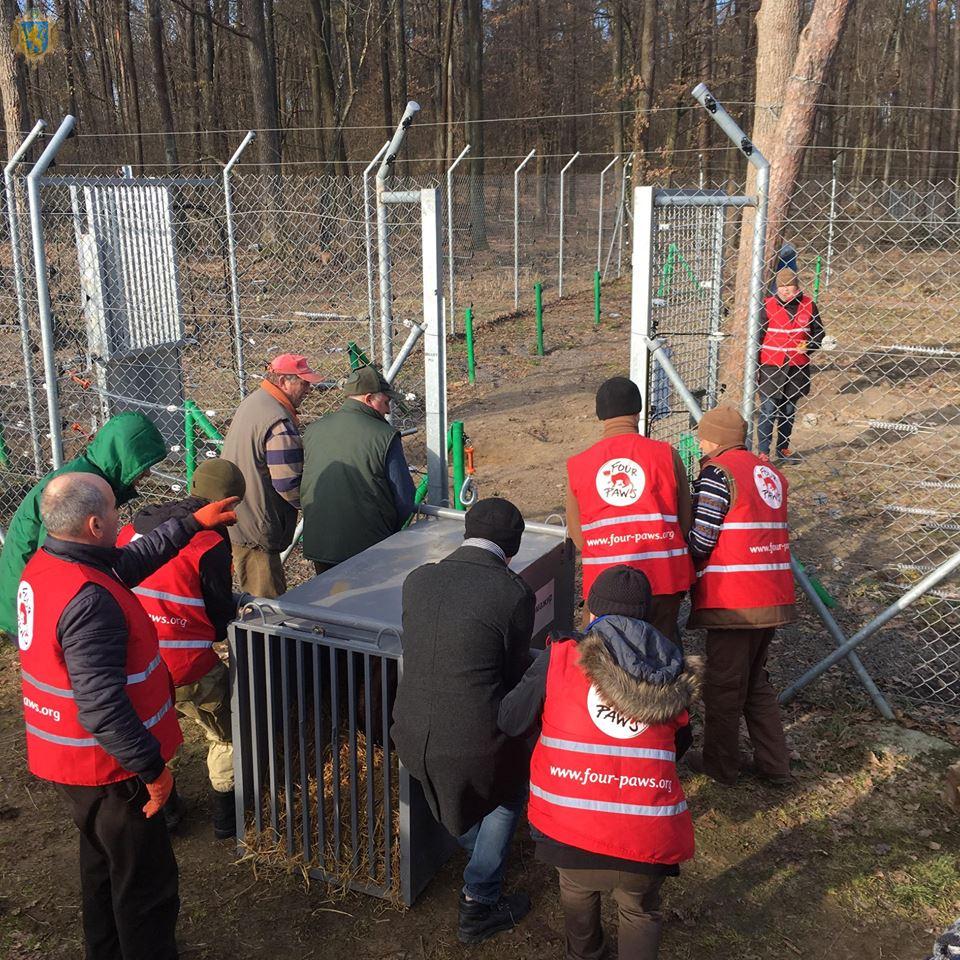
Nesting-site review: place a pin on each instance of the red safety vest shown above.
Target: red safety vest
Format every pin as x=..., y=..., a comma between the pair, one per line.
x=173, y=599
x=786, y=336
x=626, y=487
x=602, y=782
x=58, y=747
x=750, y=565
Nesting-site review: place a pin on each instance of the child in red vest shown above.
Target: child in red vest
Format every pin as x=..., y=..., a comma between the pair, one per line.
x=606, y=806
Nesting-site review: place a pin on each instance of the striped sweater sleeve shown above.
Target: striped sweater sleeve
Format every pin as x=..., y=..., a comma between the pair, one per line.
x=711, y=501
x=284, y=447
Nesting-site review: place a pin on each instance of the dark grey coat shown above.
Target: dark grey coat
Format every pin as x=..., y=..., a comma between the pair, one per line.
x=467, y=622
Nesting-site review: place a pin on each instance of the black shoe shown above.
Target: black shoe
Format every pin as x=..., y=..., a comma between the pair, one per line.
x=224, y=814
x=480, y=921
x=174, y=810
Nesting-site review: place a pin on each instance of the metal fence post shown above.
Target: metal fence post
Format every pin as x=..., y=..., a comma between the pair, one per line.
x=758, y=264
x=43, y=287
x=516, y=230
x=232, y=256
x=716, y=309
x=13, y=213
x=641, y=326
x=563, y=174
x=624, y=210
x=434, y=347
x=453, y=166
x=369, y=241
x=833, y=218
x=384, y=176
x=603, y=174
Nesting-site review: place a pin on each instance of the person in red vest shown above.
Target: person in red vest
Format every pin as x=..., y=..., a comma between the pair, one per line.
x=628, y=501
x=791, y=330
x=741, y=544
x=606, y=806
x=190, y=601
x=98, y=707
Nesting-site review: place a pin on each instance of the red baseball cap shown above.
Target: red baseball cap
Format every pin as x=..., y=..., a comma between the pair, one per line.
x=295, y=364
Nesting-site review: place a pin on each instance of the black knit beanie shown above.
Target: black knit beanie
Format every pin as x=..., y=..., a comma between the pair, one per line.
x=620, y=590
x=497, y=520
x=618, y=397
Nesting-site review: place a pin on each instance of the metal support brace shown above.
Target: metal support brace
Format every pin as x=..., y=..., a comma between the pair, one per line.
x=64, y=131
x=13, y=215
x=690, y=402
x=416, y=332
x=232, y=254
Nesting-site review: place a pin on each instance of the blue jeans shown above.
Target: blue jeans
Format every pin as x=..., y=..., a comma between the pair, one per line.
x=488, y=844
x=775, y=407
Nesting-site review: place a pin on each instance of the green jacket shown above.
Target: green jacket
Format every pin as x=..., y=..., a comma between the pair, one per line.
x=122, y=449
x=345, y=495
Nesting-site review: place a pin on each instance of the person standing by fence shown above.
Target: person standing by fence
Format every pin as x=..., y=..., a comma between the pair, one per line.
x=356, y=488
x=628, y=501
x=467, y=623
x=606, y=805
x=190, y=600
x=98, y=708
x=741, y=545
x=264, y=442
x=791, y=330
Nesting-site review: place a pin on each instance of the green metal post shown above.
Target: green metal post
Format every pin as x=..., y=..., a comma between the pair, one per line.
x=189, y=442
x=816, y=287
x=538, y=300
x=689, y=450
x=418, y=496
x=459, y=471
x=203, y=422
x=357, y=357
x=596, y=298
x=666, y=276
x=820, y=590
x=471, y=360
x=4, y=454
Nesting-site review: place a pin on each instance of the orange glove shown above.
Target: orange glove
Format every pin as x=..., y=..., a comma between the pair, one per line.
x=217, y=514
x=159, y=791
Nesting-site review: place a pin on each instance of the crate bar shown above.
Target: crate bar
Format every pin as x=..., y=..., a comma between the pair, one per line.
x=387, y=776
x=333, y=680
x=13, y=215
x=318, y=757
x=287, y=761
x=369, y=740
x=268, y=668
x=306, y=833
x=254, y=736
x=354, y=774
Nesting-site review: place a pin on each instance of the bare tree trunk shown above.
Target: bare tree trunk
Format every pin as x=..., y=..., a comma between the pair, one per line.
x=778, y=25
x=66, y=19
x=14, y=106
x=195, y=115
x=818, y=46
x=894, y=124
x=708, y=11
x=955, y=104
x=616, y=31
x=645, y=83
x=155, y=28
x=473, y=116
x=323, y=37
x=444, y=33
x=385, y=65
x=216, y=142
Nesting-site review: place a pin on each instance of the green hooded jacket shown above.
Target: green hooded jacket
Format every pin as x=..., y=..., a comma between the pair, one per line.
x=123, y=448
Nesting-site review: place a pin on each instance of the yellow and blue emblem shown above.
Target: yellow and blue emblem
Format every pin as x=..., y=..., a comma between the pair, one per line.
x=34, y=35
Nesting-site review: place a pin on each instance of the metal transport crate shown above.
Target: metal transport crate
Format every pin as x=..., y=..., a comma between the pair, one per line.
x=313, y=673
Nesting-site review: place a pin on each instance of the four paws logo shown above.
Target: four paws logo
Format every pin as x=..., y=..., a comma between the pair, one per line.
x=608, y=721
x=768, y=485
x=24, y=615
x=620, y=482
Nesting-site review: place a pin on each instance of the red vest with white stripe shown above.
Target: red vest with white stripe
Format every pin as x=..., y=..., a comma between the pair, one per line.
x=626, y=487
x=602, y=782
x=173, y=599
x=750, y=565
x=58, y=747
x=786, y=337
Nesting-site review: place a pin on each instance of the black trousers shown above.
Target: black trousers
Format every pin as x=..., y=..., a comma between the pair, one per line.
x=128, y=873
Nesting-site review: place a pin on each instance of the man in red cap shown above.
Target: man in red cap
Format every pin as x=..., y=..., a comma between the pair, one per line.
x=264, y=442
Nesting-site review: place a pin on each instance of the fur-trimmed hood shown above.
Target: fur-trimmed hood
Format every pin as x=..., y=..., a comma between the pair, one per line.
x=638, y=671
